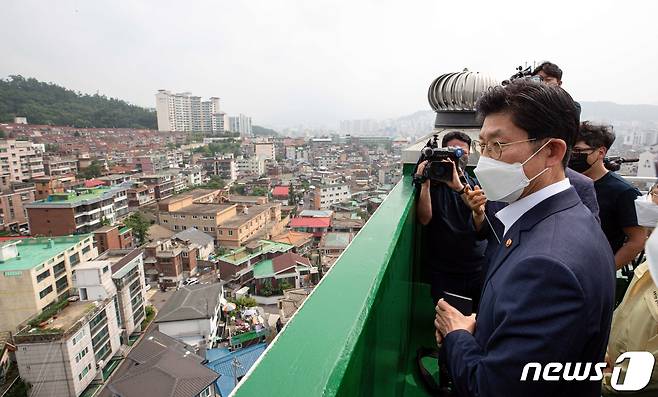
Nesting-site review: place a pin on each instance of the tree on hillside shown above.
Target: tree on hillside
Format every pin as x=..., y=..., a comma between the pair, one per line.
x=48, y=103
x=262, y=131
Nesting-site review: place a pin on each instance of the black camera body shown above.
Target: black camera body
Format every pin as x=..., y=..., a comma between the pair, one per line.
x=437, y=169
x=613, y=163
x=522, y=73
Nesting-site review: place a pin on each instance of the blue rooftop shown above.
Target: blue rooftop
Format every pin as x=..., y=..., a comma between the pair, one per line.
x=220, y=360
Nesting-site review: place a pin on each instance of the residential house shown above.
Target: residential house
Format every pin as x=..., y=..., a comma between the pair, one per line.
x=334, y=243
x=169, y=262
x=289, y=270
x=162, y=366
x=240, y=261
x=192, y=314
x=205, y=243
x=113, y=237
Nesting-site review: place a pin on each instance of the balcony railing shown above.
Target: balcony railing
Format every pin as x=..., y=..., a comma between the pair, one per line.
x=358, y=332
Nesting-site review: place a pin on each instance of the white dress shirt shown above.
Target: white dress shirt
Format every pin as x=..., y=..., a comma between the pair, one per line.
x=513, y=212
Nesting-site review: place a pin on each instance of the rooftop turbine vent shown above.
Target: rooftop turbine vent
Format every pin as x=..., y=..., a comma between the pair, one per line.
x=453, y=96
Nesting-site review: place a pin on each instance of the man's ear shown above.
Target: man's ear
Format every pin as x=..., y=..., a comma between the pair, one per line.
x=558, y=149
x=603, y=152
x=559, y=83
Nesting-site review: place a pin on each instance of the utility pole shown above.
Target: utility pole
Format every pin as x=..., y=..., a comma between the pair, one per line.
x=235, y=364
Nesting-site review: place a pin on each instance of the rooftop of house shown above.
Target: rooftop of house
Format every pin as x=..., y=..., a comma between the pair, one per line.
x=80, y=196
x=221, y=361
x=70, y=317
x=157, y=232
x=242, y=218
x=161, y=366
x=336, y=240
x=310, y=222
x=270, y=267
x=191, y=302
x=195, y=236
x=195, y=209
x=31, y=252
x=241, y=255
x=280, y=191
x=195, y=194
x=316, y=213
x=294, y=238
x=244, y=198
x=119, y=258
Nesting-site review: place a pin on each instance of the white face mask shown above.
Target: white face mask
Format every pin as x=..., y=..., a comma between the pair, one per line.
x=647, y=211
x=651, y=251
x=503, y=181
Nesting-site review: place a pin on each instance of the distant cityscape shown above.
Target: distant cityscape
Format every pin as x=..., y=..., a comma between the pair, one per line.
x=192, y=245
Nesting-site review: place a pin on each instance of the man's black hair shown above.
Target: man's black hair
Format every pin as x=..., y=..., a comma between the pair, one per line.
x=542, y=110
x=550, y=69
x=596, y=135
x=455, y=135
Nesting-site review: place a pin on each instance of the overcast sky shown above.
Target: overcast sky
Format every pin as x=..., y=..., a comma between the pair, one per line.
x=315, y=62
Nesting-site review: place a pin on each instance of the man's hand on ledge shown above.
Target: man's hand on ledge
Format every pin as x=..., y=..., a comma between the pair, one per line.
x=449, y=319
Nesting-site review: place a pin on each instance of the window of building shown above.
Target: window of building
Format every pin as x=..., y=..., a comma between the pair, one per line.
x=230, y=232
x=44, y=292
x=84, y=372
x=165, y=221
x=82, y=353
x=78, y=337
x=106, y=269
x=176, y=227
x=42, y=276
x=206, y=392
x=195, y=217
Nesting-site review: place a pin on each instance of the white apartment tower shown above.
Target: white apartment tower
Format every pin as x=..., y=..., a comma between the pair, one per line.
x=241, y=124
x=185, y=112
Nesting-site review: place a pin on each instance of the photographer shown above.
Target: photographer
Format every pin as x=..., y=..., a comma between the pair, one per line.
x=455, y=256
x=616, y=197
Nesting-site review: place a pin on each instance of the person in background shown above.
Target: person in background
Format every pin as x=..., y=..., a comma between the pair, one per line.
x=635, y=322
x=614, y=195
x=455, y=256
x=551, y=74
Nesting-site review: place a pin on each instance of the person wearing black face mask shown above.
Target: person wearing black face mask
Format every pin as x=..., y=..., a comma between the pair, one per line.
x=615, y=196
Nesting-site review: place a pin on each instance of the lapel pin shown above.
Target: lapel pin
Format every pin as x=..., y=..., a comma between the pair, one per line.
x=508, y=242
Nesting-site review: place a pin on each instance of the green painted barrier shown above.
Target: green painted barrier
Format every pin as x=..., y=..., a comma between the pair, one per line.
x=358, y=332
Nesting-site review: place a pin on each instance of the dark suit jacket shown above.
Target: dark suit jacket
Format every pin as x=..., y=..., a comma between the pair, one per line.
x=548, y=297
x=585, y=188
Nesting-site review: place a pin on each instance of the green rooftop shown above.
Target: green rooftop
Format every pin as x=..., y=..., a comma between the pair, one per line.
x=34, y=251
x=79, y=196
x=241, y=255
x=263, y=269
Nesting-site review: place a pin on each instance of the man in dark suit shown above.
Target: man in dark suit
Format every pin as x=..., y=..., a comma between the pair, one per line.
x=549, y=290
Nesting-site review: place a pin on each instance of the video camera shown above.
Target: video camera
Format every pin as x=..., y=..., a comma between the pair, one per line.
x=613, y=163
x=522, y=73
x=438, y=170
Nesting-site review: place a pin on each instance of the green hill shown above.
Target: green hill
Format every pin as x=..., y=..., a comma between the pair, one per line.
x=48, y=103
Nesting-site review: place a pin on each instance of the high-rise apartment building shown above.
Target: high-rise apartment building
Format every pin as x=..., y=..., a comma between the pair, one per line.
x=19, y=162
x=241, y=124
x=185, y=112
